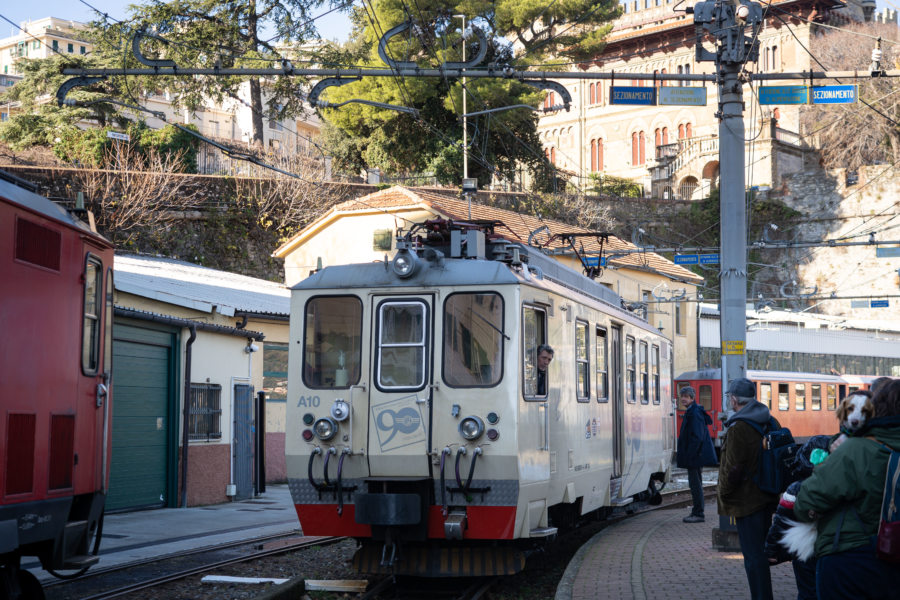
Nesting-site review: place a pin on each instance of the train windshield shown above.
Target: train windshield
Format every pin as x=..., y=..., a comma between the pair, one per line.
x=401, y=344
x=332, y=342
x=473, y=336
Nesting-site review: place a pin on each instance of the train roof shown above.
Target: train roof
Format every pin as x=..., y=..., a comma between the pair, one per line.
x=15, y=193
x=763, y=375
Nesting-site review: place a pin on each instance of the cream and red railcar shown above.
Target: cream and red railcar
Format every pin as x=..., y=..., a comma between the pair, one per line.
x=414, y=422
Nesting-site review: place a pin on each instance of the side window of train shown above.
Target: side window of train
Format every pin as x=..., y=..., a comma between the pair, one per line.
x=332, y=342
x=582, y=362
x=815, y=398
x=765, y=394
x=831, y=400
x=473, y=339
x=402, y=345
x=705, y=397
x=799, y=396
x=602, y=374
x=93, y=306
x=645, y=374
x=534, y=333
x=630, y=370
x=654, y=373
x=784, y=396
x=107, y=342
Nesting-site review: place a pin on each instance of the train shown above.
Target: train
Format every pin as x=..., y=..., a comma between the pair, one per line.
x=803, y=402
x=416, y=422
x=55, y=440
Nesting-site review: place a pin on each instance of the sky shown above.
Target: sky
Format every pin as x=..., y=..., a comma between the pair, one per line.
x=332, y=27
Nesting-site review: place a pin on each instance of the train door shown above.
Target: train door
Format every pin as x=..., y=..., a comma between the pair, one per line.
x=617, y=398
x=400, y=411
x=534, y=447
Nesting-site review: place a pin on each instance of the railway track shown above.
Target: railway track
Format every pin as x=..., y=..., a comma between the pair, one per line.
x=122, y=580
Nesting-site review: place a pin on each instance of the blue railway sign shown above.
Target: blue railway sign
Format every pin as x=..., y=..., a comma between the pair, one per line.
x=835, y=94
x=879, y=304
x=686, y=259
x=644, y=96
x=591, y=261
x=783, y=94
x=889, y=252
x=709, y=259
x=682, y=96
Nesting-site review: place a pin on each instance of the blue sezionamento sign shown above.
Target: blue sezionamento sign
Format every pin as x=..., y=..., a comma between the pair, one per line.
x=591, y=261
x=644, y=96
x=835, y=94
x=686, y=259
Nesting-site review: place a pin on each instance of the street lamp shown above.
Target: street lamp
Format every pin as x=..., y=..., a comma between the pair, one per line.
x=465, y=119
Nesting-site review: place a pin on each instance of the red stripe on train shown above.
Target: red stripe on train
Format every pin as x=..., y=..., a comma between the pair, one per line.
x=484, y=522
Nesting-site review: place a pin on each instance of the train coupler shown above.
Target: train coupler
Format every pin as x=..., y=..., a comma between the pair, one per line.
x=386, y=560
x=455, y=525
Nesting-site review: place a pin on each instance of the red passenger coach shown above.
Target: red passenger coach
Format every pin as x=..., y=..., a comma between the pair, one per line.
x=804, y=402
x=55, y=415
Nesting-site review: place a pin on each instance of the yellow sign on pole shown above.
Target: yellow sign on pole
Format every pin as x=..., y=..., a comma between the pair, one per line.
x=733, y=347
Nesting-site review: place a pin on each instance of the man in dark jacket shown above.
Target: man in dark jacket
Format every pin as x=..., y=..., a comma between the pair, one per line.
x=739, y=496
x=695, y=449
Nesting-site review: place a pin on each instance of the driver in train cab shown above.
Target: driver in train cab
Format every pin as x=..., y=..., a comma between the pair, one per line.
x=545, y=355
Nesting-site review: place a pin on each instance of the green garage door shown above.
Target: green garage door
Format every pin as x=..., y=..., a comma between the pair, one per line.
x=144, y=423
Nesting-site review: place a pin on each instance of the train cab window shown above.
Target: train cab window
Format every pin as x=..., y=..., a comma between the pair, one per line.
x=815, y=398
x=630, y=370
x=93, y=306
x=784, y=396
x=765, y=394
x=332, y=342
x=402, y=341
x=654, y=373
x=602, y=369
x=799, y=396
x=645, y=374
x=831, y=397
x=473, y=339
x=582, y=362
x=705, y=397
x=534, y=334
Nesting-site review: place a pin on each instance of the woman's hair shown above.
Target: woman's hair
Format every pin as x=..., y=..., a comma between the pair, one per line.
x=887, y=399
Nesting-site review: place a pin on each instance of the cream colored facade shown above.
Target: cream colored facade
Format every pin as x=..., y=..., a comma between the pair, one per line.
x=653, y=37
x=347, y=234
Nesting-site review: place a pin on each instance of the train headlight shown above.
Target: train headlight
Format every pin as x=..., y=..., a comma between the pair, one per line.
x=471, y=428
x=325, y=429
x=405, y=263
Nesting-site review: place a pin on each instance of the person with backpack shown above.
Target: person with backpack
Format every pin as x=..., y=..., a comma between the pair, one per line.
x=844, y=496
x=739, y=495
x=695, y=450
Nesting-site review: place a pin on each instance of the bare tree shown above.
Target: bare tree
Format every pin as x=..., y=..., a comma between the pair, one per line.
x=868, y=132
x=136, y=190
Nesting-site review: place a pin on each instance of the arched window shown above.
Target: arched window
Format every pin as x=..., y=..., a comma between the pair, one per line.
x=642, y=143
x=657, y=137
x=593, y=156
x=776, y=66
x=687, y=130
x=665, y=136
x=663, y=83
x=776, y=114
x=599, y=154
x=634, y=148
x=681, y=131
x=553, y=155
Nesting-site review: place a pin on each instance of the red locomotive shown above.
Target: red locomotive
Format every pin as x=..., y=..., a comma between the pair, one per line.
x=56, y=310
x=804, y=402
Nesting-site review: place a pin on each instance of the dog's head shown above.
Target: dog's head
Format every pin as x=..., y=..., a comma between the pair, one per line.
x=854, y=411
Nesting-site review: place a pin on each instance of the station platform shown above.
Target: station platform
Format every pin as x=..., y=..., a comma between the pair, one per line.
x=655, y=554
x=136, y=536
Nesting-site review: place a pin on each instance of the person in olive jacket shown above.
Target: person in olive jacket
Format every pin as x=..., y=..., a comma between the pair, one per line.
x=739, y=496
x=844, y=495
x=695, y=450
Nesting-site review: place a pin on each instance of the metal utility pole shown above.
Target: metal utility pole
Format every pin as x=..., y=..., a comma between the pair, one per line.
x=465, y=118
x=728, y=21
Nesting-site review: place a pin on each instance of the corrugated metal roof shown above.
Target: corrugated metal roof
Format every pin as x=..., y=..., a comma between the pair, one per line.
x=200, y=288
x=518, y=226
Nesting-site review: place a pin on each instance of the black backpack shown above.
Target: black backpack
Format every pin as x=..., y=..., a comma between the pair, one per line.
x=777, y=450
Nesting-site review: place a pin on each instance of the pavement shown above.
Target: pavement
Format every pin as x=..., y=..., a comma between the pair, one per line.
x=655, y=554
x=136, y=536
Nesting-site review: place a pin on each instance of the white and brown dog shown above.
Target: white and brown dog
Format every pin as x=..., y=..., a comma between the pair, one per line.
x=854, y=411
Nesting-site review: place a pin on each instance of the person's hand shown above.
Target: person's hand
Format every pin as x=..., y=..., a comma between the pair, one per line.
x=837, y=442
